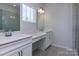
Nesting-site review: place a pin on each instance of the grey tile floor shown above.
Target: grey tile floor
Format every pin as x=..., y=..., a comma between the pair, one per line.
x=54, y=51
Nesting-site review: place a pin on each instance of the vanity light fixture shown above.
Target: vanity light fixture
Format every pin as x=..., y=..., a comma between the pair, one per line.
x=41, y=10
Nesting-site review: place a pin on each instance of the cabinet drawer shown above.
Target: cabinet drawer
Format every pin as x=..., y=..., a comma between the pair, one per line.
x=26, y=51
x=38, y=38
x=14, y=45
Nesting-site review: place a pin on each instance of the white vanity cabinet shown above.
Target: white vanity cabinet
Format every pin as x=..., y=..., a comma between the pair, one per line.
x=12, y=53
x=27, y=50
x=22, y=51
x=42, y=40
x=48, y=40
x=20, y=47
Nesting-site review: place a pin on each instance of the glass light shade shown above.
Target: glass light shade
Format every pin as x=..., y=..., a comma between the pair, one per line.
x=41, y=11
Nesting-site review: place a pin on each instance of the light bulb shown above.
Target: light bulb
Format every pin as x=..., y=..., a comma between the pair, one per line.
x=41, y=11
x=14, y=5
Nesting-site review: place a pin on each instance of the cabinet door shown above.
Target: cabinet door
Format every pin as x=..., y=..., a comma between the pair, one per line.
x=13, y=53
x=27, y=50
x=48, y=40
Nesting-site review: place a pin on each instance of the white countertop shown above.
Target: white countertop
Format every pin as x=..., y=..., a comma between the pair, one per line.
x=4, y=40
x=38, y=34
x=18, y=36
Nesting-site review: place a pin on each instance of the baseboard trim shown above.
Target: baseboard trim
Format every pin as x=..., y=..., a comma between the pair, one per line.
x=69, y=49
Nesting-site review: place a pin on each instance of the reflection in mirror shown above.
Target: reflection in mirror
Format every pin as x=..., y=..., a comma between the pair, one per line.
x=9, y=17
x=41, y=19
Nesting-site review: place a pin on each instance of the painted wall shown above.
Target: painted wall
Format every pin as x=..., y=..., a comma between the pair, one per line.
x=59, y=19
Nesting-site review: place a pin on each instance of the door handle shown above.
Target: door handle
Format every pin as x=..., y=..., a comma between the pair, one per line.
x=21, y=53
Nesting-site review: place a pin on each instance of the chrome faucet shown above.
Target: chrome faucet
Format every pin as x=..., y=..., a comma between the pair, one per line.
x=8, y=33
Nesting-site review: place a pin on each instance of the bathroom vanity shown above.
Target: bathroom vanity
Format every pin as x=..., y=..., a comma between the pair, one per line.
x=22, y=44
x=16, y=45
x=41, y=40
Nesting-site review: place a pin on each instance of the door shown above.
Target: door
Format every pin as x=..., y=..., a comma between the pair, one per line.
x=77, y=29
x=74, y=25
x=26, y=50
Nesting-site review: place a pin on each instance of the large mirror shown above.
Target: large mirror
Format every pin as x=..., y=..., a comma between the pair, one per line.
x=41, y=21
x=15, y=17
x=9, y=17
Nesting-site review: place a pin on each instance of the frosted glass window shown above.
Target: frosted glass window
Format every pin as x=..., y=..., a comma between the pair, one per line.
x=28, y=14
x=32, y=15
x=23, y=12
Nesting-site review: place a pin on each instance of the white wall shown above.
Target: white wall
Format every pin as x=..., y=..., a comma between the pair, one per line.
x=59, y=19
x=29, y=28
